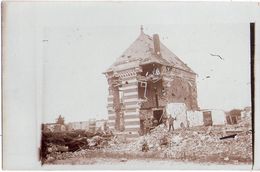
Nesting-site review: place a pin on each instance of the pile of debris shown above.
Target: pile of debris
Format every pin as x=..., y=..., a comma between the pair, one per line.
x=62, y=145
x=197, y=143
x=225, y=143
x=152, y=140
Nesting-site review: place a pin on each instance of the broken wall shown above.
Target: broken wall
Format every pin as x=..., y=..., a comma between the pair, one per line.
x=195, y=118
x=152, y=96
x=218, y=117
x=180, y=87
x=178, y=111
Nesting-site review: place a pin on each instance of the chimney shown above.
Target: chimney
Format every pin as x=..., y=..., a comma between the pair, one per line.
x=156, y=43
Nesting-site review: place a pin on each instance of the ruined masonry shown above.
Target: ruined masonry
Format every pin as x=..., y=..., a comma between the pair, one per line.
x=143, y=81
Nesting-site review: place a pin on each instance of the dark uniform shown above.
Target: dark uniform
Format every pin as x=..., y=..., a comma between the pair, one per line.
x=171, y=119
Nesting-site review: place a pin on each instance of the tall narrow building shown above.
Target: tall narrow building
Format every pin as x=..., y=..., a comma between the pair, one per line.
x=143, y=81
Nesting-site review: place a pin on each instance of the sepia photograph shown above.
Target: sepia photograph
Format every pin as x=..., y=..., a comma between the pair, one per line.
x=149, y=107
x=129, y=85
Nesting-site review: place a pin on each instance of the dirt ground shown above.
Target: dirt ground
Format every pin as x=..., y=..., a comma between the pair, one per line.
x=140, y=164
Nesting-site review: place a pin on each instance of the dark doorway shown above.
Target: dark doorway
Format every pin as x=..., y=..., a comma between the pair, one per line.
x=234, y=119
x=157, y=114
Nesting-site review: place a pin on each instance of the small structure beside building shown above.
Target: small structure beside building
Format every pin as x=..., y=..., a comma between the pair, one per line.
x=206, y=117
x=214, y=117
x=234, y=116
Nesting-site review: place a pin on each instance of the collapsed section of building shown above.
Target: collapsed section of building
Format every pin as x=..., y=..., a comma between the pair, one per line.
x=146, y=81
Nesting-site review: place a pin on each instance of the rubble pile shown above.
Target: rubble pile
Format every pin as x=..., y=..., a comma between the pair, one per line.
x=225, y=143
x=152, y=139
x=194, y=143
x=246, y=123
x=198, y=145
x=62, y=145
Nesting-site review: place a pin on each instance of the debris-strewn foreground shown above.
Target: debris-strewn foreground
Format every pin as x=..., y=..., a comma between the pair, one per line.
x=230, y=144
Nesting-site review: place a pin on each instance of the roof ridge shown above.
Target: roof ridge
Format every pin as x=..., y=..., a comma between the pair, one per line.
x=142, y=51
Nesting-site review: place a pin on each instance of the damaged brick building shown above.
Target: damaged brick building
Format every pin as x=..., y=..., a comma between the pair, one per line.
x=143, y=81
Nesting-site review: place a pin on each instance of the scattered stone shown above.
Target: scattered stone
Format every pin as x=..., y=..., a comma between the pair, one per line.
x=193, y=144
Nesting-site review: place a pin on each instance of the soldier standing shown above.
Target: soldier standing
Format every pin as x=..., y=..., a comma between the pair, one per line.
x=171, y=119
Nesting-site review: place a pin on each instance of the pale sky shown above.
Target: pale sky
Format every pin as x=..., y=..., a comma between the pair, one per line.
x=79, y=42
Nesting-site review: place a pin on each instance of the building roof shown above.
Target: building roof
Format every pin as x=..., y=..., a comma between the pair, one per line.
x=141, y=52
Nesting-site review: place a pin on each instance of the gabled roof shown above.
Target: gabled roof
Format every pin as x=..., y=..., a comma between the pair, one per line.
x=142, y=52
